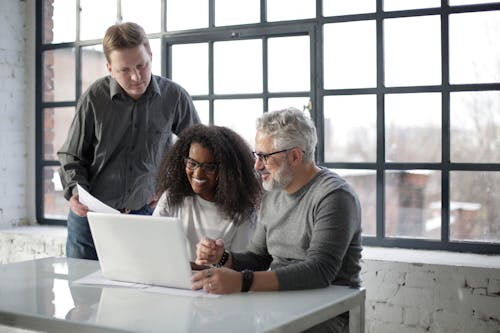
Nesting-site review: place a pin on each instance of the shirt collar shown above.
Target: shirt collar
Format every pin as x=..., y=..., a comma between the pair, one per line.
x=115, y=89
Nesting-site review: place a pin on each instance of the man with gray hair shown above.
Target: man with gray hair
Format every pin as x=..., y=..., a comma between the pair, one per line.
x=309, y=230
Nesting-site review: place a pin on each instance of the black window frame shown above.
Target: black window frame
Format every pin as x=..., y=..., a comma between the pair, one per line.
x=313, y=28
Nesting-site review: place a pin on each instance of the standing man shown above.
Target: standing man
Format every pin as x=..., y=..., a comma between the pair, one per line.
x=309, y=230
x=122, y=127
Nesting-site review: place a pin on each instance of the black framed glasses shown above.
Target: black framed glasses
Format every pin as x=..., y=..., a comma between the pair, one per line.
x=206, y=167
x=263, y=157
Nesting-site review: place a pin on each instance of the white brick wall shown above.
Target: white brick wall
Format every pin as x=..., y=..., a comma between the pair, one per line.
x=13, y=110
x=412, y=295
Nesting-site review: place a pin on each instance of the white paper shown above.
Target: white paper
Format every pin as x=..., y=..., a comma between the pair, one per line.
x=97, y=278
x=93, y=203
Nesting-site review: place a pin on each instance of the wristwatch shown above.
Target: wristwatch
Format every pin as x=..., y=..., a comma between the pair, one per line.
x=247, y=280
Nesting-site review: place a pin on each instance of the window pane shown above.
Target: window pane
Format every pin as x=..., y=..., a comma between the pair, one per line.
x=56, y=124
x=283, y=10
x=55, y=206
x=240, y=115
x=475, y=47
x=155, y=45
x=230, y=76
x=350, y=128
x=181, y=16
x=410, y=4
x=413, y=127
x=147, y=13
x=364, y=183
x=59, y=21
x=93, y=65
x=469, y=2
x=95, y=17
x=347, y=7
x=203, y=109
x=59, y=75
x=188, y=59
x=412, y=203
x=412, y=51
x=475, y=206
x=289, y=55
x=350, y=55
x=475, y=127
x=230, y=12
x=286, y=102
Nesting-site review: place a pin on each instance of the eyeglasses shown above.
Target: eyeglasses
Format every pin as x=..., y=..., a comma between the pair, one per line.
x=206, y=167
x=263, y=157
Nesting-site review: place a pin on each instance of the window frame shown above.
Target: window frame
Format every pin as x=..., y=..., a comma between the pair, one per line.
x=313, y=28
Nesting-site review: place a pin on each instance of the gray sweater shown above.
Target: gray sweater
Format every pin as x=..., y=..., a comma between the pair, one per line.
x=311, y=238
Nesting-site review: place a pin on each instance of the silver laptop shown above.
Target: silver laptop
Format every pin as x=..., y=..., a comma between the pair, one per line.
x=142, y=249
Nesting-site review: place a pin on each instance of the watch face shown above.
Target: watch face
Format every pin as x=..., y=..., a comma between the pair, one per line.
x=247, y=280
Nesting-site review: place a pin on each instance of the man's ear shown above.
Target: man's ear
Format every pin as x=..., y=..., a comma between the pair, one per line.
x=297, y=155
x=108, y=67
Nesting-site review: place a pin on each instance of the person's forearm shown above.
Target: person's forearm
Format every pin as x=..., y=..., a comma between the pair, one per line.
x=265, y=281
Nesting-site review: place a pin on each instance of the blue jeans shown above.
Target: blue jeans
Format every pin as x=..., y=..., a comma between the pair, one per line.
x=79, y=243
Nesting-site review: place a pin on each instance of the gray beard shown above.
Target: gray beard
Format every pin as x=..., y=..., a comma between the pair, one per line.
x=280, y=181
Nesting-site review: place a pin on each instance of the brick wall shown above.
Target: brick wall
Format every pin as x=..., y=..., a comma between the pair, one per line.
x=14, y=124
x=418, y=298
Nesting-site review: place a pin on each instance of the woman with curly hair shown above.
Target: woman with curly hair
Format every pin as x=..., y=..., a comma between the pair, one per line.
x=207, y=180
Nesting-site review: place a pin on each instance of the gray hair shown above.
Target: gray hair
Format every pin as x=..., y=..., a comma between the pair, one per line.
x=290, y=128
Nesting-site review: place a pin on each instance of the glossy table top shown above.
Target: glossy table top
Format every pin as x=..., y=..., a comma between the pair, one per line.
x=40, y=295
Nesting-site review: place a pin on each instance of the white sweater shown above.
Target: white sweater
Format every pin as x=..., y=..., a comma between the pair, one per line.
x=202, y=218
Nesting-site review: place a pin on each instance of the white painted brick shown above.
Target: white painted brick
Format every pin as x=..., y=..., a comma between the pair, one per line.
x=13, y=130
x=494, y=286
x=416, y=317
x=422, y=278
x=485, y=307
x=408, y=296
x=383, y=327
x=389, y=313
x=394, y=276
x=476, y=279
x=446, y=321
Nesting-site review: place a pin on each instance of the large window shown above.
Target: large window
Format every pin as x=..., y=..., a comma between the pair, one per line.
x=405, y=96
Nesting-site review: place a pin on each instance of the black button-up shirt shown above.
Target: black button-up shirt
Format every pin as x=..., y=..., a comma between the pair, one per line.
x=115, y=143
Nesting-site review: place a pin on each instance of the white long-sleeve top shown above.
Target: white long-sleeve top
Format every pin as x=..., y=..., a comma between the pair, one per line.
x=202, y=218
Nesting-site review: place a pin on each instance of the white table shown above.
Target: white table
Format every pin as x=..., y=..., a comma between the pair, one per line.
x=39, y=295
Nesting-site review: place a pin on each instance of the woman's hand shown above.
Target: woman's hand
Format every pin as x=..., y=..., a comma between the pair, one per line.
x=209, y=251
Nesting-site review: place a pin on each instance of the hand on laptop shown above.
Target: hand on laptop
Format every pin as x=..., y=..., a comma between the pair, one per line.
x=209, y=251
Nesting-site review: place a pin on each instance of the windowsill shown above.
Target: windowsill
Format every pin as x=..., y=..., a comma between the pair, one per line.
x=429, y=257
x=410, y=256
x=42, y=230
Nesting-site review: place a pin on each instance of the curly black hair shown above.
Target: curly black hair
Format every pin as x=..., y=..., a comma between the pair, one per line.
x=238, y=190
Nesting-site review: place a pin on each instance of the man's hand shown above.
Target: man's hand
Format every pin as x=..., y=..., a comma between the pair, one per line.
x=77, y=207
x=209, y=251
x=217, y=281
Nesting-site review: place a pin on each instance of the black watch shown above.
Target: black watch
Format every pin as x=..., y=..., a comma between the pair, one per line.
x=247, y=280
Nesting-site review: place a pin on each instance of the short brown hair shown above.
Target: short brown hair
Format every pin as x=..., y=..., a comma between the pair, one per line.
x=123, y=36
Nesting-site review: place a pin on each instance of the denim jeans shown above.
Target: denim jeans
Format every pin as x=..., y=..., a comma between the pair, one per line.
x=79, y=243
